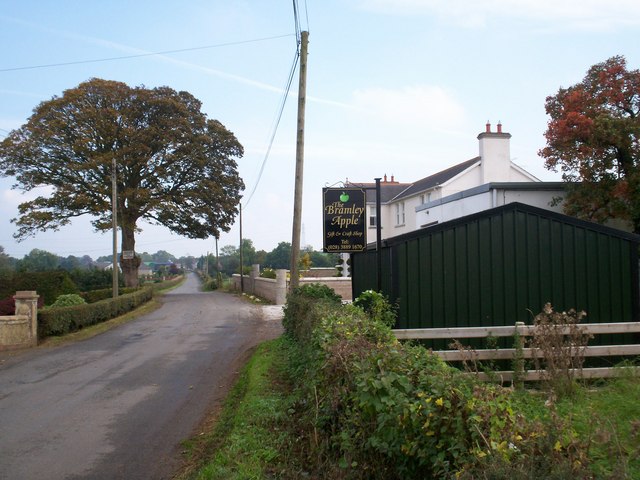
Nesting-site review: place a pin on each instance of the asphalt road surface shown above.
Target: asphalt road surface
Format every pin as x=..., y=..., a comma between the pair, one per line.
x=118, y=405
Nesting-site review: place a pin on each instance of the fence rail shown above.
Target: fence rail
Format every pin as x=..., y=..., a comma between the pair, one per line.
x=528, y=330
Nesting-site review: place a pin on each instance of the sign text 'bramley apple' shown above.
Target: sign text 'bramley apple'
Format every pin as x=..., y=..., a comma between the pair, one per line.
x=344, y=211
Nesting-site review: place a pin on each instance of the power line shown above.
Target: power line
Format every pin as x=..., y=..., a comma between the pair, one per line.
x=277, y=123
x=125, y=57
x=296, y=19
x=284, y=100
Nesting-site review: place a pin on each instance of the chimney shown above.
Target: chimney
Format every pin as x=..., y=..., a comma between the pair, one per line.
x=392, y=180
x=488, y=127
x=495, y=155
x=385, y=178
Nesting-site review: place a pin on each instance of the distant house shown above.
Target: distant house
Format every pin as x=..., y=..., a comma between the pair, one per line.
x=144, y=270
x=489, y=180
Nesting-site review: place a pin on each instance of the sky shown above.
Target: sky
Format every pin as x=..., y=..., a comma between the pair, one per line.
x=395, y=87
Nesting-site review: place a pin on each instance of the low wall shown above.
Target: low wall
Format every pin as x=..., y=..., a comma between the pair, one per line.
x=341, y=285
x=20, y=330
x=276, y=290
x=319, y=272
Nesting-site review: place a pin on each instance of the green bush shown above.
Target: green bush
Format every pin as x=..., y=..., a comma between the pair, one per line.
x=268, y=273
x=68, y=300
x=384, y=410
x=377, y=306
x=59, y=321
x=305, y=307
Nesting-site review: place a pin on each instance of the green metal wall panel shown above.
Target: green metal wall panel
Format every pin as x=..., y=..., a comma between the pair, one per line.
x=502, y=266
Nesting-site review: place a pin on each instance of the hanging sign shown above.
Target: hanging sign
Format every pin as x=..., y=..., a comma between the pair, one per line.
x=344, y=213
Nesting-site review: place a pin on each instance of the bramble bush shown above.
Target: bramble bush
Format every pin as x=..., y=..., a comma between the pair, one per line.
x=377, y=306
x=381, y=409
x=305, y=307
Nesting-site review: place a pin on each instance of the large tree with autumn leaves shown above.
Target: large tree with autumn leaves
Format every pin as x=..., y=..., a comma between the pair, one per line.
x=593, y=139
x=175, y=167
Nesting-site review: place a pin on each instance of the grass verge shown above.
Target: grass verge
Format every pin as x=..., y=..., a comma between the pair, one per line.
x=97, y=329
x=257, y=434
x=250, y=439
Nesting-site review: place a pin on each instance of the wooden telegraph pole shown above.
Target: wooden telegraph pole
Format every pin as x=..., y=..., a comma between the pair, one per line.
x=297, y=199
x=114, y=226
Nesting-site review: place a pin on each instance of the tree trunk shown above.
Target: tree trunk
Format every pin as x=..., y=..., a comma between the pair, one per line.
x=129, y=265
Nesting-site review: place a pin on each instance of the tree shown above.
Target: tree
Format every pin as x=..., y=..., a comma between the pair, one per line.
x=279, y=257
x=38, y=261
x=174, y=168
x=70, y=263
x=6, y=262
x=229, y=260
x=593, y=138
x=162, y=256
x=187, y=262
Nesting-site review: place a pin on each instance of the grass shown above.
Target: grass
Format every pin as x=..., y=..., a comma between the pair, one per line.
x=250, y=439
x=256, y=434
x=606, y=416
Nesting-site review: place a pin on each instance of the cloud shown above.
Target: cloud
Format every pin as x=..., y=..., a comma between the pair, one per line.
x=429, y=106
x=576, y=14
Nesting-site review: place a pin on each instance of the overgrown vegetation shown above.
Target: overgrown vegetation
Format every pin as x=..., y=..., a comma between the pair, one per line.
x=351, y=402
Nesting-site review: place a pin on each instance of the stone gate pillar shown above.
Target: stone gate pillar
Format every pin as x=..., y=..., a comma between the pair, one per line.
x=27, y=304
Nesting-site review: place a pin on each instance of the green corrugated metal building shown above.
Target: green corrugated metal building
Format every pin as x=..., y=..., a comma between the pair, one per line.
x=501, y=266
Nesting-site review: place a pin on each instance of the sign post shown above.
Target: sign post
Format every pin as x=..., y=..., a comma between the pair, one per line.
x=344, y=214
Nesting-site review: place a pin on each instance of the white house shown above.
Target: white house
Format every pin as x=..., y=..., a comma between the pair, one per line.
x=488, y=180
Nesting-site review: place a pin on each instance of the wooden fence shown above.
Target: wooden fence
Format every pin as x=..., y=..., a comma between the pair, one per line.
x=522, y=330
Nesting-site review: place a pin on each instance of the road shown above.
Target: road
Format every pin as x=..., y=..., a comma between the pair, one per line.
x=117, y=406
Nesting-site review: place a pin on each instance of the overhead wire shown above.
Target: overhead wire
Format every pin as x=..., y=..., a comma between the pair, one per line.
x=150, y=54
x=283, y=103
x=276, y=124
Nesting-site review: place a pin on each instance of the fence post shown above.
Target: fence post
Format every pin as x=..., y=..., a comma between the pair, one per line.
x=518, y=357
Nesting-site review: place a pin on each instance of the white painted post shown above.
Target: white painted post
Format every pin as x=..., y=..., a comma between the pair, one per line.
x=281, y=286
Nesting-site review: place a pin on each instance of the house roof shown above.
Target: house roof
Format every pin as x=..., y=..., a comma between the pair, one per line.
x=393, y=190
x=388, y=190
x=439, y=178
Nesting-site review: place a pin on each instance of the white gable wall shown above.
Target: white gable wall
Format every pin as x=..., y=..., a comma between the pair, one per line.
x=494, y=166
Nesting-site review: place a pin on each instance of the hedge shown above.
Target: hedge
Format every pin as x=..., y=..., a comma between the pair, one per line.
x=59, y=321
x=49, y=285
x=166, y=284
x=93, y=296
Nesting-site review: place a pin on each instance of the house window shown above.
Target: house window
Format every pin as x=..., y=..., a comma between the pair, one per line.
x=422, y=199
x=373, y=217
x=400, y=213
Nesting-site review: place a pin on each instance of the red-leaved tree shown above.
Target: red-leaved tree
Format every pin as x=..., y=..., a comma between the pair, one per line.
x=593, y=139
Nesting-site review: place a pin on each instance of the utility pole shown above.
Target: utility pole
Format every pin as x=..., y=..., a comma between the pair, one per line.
x=217, y=265
x=114, y=226
x=241, y=259
x=297, y=199
x=378, y=237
